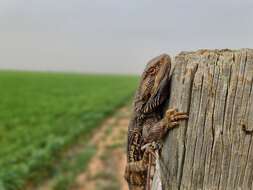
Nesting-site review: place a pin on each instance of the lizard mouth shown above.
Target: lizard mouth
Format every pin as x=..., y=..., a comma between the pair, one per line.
x=152, y=105
x=156, y=99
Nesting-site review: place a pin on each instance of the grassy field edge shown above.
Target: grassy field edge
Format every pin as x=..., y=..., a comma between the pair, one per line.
x=80, y=161
x=42, y=163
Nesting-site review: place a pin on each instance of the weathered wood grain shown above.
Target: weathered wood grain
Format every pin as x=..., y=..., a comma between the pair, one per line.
x=214, y=148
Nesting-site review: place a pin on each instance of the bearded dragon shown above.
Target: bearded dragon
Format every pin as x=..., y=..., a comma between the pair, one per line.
x=147, y=124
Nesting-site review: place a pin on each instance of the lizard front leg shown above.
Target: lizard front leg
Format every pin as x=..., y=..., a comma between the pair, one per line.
x=157, y=131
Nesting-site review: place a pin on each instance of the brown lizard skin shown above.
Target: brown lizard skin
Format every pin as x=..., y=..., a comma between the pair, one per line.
x=147, y=123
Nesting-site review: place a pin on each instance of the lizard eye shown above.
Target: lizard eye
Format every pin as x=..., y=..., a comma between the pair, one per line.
x=152, y=71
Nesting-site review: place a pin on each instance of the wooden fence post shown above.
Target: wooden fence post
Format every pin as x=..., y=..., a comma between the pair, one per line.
x=214, y=148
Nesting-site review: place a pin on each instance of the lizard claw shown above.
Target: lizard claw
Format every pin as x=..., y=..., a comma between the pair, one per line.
x=173, y=117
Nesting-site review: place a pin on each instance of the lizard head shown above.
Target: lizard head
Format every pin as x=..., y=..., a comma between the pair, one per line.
x=154, y=84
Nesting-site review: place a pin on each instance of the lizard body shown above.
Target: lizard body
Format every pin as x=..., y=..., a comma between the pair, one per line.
x=147, y=123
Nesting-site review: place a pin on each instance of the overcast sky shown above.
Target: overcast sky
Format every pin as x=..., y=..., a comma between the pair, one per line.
x=116, y=36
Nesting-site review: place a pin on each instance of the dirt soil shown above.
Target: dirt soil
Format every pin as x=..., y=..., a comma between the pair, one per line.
x=106, y=169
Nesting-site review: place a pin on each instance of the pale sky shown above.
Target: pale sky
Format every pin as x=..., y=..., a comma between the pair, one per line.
x=116, y=36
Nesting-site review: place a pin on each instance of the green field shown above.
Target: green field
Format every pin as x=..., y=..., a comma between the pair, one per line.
x=41, y=114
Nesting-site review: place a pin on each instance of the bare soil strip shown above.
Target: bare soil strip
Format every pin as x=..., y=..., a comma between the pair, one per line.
x=106, y=169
